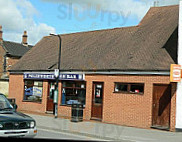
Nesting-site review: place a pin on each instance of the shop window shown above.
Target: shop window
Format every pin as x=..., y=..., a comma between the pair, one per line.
x=129, y=88
x=33, y=90
x=73, y=92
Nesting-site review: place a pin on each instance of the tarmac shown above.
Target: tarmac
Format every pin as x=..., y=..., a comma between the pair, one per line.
x=105, y=131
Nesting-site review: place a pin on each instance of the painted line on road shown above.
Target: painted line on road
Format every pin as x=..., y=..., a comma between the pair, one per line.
x=70, y=134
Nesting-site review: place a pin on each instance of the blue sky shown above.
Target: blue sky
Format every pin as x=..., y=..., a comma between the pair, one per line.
x=42, y=17
x=63, y=17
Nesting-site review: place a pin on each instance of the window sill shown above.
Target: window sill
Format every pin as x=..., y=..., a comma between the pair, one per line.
x=32, y=101
x=128, y=93
x=69, y=105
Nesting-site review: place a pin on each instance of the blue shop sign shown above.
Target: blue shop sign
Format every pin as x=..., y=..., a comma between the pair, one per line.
x=52, y=77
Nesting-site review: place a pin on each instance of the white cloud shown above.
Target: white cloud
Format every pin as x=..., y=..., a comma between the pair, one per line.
x=136, y=8
x=17, y=16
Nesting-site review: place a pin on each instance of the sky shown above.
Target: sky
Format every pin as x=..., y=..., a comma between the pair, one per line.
x=42, y=17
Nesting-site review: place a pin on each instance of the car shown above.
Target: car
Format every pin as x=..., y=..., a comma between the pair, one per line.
x=13, y=123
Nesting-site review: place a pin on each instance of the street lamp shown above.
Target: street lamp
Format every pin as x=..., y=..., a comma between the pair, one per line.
x=57, y=73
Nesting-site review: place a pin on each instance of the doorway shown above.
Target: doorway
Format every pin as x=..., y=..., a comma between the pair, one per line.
x=50, y=96
x=97, y=100
x=161, y=106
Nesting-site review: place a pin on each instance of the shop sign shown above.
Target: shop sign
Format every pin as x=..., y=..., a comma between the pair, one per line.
x=38, y=76
x=52, y=76
x=175, y=73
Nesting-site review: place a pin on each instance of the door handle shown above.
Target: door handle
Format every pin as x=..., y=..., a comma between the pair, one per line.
x=154, y=105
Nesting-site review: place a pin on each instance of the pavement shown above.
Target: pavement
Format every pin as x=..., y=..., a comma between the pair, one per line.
x=105, y=131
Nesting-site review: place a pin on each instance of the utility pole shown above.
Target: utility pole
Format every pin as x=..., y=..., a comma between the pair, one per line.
x=56, y=74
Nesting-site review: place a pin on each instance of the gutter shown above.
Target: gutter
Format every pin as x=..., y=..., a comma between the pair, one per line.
x=166, y=73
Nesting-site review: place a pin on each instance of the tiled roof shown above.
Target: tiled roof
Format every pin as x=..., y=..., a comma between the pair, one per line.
x=141, y=47
x=15, y=49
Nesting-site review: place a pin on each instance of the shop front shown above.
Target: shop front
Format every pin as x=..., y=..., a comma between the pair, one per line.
x=39, y=88
x=132, y=100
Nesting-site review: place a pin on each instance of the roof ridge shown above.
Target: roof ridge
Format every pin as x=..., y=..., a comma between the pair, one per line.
x=175, y=5
x=100, y=30
x=16, y=42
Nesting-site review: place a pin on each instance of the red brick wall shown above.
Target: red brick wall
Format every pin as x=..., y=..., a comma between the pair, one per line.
x=2, y=53
x=16, y=90
x=129, y=109
x=10, y=62
x=123, y=109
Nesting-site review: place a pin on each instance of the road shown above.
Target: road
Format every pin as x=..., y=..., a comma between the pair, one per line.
x=51, y=134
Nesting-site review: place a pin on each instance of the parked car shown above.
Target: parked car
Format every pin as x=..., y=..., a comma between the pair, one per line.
x=13, y=123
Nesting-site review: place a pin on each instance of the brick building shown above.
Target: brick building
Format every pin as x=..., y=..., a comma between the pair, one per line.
x=11, y=52
x=120, y=75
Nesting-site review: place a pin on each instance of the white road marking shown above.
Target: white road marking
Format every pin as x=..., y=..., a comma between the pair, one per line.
x=69, y=134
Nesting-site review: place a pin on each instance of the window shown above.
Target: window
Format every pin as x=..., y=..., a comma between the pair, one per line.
x=137, y=88
x=121, y=87
x=98, y=93
x=73, y=92
x=129, y=88
x=33, y=90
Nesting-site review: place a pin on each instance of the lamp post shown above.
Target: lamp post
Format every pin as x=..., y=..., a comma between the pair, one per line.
x=57, y=73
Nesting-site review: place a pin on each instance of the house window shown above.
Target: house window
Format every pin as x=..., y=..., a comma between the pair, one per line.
x=33, y=90
x=73, y=92
x=119, y=87
x=136, y=88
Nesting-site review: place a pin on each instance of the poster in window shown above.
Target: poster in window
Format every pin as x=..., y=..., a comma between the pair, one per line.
x=99, y=86
x=63, y=96
x=37, y=91
x=28, y=91
x=97, y=93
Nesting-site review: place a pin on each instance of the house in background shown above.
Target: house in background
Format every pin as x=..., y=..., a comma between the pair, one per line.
x=10, y=53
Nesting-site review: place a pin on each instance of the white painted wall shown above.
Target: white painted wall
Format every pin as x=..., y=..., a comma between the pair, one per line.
x=4, y=87
x=179, y=85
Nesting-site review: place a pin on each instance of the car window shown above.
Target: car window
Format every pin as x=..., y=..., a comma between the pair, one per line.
x=4, y=103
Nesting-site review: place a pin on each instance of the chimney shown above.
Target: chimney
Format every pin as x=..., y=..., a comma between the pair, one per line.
x=24, y=38
x=1, y=34
x=156, y=3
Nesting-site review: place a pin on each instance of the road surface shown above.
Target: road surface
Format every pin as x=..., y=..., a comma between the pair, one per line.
x=55, y=135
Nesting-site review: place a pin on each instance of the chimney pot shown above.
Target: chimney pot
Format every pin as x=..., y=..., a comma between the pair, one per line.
x=24, y=38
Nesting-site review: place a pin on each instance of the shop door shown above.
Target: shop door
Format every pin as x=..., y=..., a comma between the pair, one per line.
x=161, y=106
x=50, y=95
x=97, y=100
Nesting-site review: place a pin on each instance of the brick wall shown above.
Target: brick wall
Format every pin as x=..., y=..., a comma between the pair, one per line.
x=16, y=90
x=123, y=109
x=10, y=62
x=2, y=53
x=129, y=109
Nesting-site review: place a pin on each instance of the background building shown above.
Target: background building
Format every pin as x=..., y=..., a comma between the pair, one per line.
x=10, y=53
